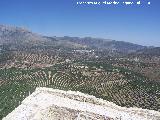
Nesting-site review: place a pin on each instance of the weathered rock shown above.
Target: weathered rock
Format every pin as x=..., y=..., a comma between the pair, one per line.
x=53, y=104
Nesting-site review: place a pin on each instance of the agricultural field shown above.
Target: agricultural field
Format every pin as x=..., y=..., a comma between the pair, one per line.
x=119, y=85
x=124, y=73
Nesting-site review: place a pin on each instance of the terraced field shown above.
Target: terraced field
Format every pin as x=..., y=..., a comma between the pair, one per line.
x=118, y=85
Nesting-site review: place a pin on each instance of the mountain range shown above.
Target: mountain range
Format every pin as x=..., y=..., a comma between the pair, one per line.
x=19, y=36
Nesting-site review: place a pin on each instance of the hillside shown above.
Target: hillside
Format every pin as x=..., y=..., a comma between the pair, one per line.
x=17, y=35
x=50, y=104
x=21, y=37
x=149, y=51
x=104, y=44
x=79, y=65
x=118, y=85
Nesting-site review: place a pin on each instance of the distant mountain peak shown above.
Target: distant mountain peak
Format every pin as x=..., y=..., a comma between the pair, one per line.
x=18, y=35
x=12, y=28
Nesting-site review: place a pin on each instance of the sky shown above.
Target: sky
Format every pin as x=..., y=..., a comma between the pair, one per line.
x=138, y=24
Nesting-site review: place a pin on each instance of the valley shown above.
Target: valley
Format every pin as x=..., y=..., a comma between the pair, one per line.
x=119, y=72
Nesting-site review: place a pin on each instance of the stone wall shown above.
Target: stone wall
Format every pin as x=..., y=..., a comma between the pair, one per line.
x=54, y=104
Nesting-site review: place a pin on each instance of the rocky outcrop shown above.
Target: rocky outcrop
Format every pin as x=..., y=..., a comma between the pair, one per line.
x=53, y=104
x=18, y=36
